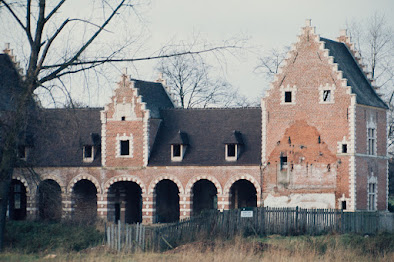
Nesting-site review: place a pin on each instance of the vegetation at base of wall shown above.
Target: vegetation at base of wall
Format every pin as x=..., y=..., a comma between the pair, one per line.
x=391, y=203
x=348, y=247
x=34, y=236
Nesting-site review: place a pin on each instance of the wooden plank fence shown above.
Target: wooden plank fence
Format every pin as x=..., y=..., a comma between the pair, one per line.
x=264, y=221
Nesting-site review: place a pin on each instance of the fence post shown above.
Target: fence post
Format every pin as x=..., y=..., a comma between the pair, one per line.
x=119, y=237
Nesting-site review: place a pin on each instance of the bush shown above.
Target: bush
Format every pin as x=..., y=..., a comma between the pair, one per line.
x=33, y=236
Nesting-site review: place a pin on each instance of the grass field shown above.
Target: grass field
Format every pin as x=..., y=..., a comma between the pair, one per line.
x=60, y=242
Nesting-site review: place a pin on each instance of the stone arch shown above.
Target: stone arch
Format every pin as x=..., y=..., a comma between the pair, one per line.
x=248, y=177
x=55, y=178
x=125, y=178
x=24, y=182
x=168, y=177
x=86, y=177
x=192, y=181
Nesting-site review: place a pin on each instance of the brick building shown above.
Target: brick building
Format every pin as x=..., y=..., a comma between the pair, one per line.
x=318, y=141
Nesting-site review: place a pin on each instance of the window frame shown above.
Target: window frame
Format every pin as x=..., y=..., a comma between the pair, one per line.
x=90, y=158
x=177, y=158
x=231, y=158
x=371, y=141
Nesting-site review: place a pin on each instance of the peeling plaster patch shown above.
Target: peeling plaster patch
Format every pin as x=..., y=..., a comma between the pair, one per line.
x=302, y=200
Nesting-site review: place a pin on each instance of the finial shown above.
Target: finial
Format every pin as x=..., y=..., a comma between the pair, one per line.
x=308, y=22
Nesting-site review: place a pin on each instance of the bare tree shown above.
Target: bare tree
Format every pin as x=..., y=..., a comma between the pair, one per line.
x=374, y=40
x=194, y=85
x=271, y=61
x=44, y=29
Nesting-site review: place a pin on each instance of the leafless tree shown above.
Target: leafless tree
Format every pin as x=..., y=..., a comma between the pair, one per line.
x=374, y=40
x=44, y=29
x=271, y=61
x=191, y=80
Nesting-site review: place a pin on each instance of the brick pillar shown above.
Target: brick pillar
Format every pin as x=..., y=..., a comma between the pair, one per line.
x=148, y=208
x=31, y=206
x=185, y=205
x=102, y=206
x=110, y=207
x=224, y=201
x=67, y=204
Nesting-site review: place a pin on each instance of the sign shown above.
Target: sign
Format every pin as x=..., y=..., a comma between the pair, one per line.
x=247, y=212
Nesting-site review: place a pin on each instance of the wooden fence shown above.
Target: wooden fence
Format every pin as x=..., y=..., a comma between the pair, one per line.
x=258, y=221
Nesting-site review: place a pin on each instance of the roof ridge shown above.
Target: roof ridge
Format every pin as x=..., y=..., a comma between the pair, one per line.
x=210, y=108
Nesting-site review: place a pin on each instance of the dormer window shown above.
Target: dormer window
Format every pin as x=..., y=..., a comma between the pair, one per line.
x=88, y=153
x=178, y=146
x=22, y=152
x=232, y=146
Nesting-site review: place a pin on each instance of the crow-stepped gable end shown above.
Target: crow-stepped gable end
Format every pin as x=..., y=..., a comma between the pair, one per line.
x=318, y=140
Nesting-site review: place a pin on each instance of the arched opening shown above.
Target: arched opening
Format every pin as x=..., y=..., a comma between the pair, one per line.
x=17, y=200
x=243, y=194
x=50, y=200
x=204, y=196
x=84, y=200
x=125, y=202
x=167, y=201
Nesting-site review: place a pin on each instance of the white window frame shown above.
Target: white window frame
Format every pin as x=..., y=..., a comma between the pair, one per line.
x=293, y=91
x=231, y=158
x=371, y=141
x=120, y=138
x=88, y=159
x=182, y=152
x=372, y=193
x=26, y=151
x=331, y=89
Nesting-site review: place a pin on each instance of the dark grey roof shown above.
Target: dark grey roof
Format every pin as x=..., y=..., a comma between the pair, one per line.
x=207, y=129
x=9, y=84
x=235, y=137
x=180, y=138
x=366, y=95
x=60, y=134
x=154, y=95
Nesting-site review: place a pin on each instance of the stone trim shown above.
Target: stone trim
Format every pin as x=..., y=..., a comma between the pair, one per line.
x=248, y=177
x=264, y=123
x=192, y=181
x=124, y=178
x=163, y=177
x=119, y=138
x=60, y=182
x=24, y=182
x=352, y=150
x=331, y=88
x=84, y=177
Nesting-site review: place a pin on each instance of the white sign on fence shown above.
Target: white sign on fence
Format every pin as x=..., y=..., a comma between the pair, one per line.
x=247, y=213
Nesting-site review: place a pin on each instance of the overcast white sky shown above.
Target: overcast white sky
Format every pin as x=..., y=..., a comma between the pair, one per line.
x=267, y=24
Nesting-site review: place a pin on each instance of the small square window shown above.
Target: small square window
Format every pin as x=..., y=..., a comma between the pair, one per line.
x=344, y=148
x=176, y=150
x=124, y=147
x=88, y=151
x=22, y=152
x=283, y=162
x=288, y=97
x=327, y=96
x=123, y=118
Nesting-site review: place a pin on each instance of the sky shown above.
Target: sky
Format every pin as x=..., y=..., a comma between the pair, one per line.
x=266, y=25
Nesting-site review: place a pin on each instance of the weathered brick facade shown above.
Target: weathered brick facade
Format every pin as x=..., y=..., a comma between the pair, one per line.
x=321, y=143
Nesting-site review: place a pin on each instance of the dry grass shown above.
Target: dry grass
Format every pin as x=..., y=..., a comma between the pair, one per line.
x=273, y=248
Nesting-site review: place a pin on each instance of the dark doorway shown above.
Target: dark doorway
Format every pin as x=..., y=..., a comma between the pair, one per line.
x=243, y=194
x=50, y=200
x=204, y=196
x=17, y=200
x=167, y=202
x=126, y=202
x=84, y=201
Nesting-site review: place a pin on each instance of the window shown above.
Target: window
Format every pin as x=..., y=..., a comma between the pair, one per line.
x=343, y=205
x=124, y=147
x=123, y=118
x=288, y=97
x=88, y=153
x=177, y=152
x=371, y=196
x=344, y=148
x=17, y=196
x=371, y=141
x=326, y=95
x=231, y=152
x=283, y=162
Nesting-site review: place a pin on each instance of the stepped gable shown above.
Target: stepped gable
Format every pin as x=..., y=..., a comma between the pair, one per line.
x=60, y=134
x=207, y=130
x=358, y=82
x=154, y=95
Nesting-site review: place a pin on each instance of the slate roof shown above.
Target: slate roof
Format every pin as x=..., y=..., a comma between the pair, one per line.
x=360, y=86
x=9, y=83
x=60, y=134
x=207, y=130
x=154, y=95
